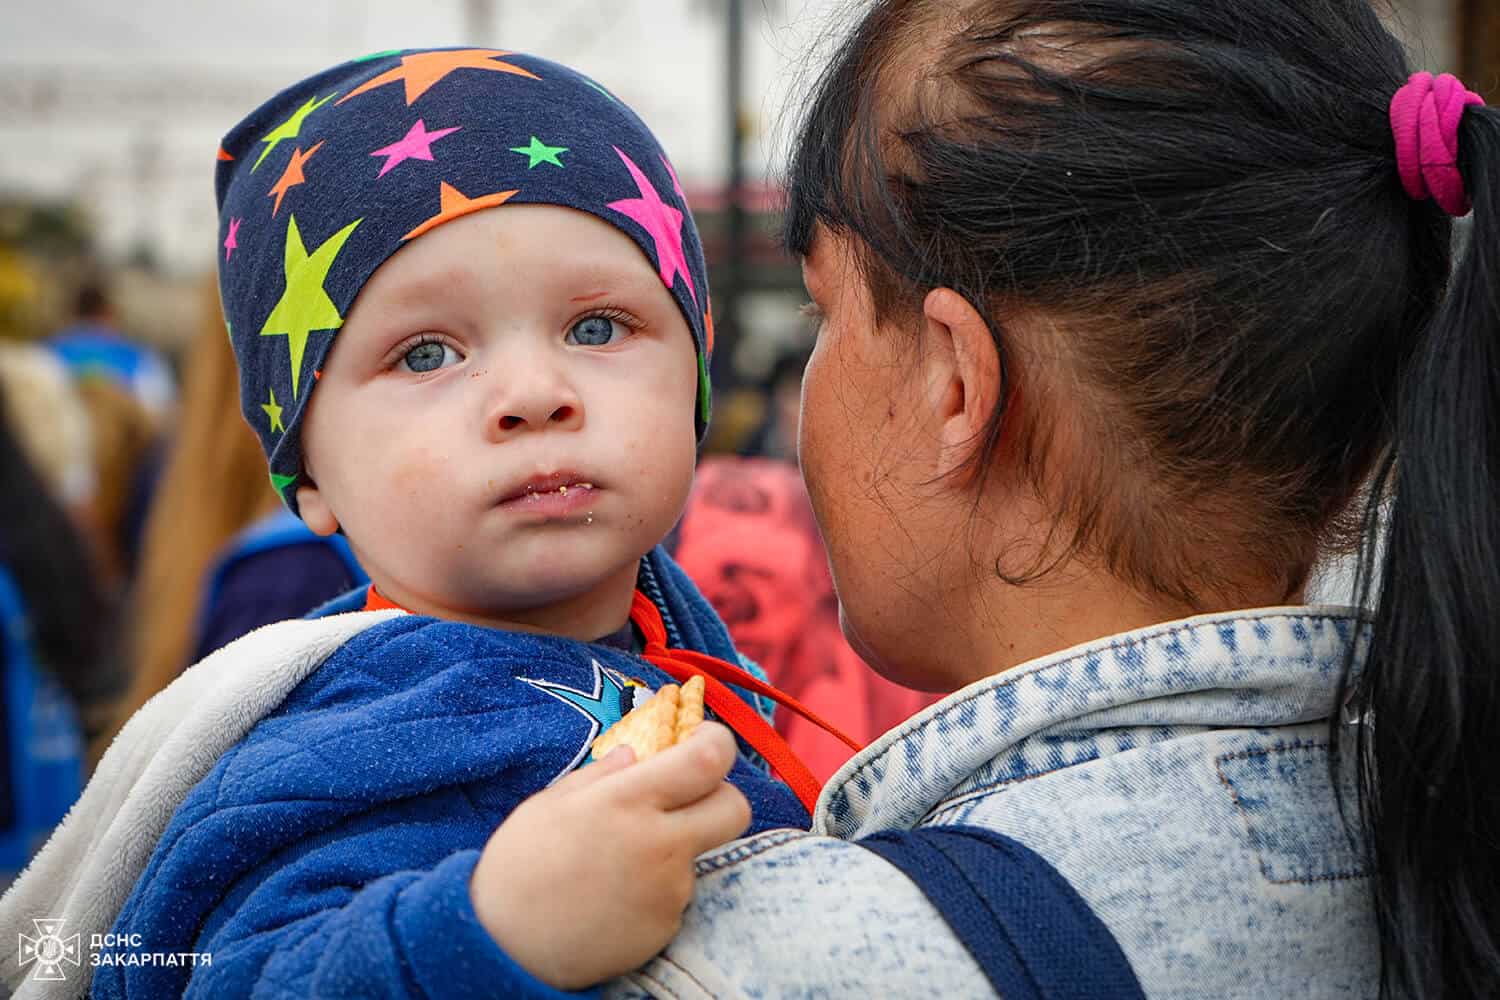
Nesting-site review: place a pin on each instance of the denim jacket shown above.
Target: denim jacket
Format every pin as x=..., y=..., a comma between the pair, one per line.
x=1175, y=776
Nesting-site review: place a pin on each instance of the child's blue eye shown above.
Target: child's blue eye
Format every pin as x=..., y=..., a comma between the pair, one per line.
x=594, y=331
x=428, y=357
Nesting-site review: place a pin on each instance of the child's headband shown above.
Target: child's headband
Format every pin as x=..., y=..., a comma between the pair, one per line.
x=323, y=182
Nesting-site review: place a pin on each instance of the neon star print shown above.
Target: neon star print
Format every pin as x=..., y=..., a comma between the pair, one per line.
x=539, y=152
x=305, y=307
x=290, y=128
x=452, y=203
x=232, y=242
x=661, y=221
x=415, y=145
x=274, y=412
x=291, y=176
x=421, y=71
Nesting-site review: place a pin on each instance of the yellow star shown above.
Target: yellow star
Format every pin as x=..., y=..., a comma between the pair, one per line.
x=305, y=307
x=290, y=128
x=274, y=412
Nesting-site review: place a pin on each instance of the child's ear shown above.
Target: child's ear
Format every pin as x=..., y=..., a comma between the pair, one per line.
x=963, y=376
x=316, y=513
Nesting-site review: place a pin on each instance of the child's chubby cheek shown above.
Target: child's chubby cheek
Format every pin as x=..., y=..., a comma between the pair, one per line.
x=420, y=469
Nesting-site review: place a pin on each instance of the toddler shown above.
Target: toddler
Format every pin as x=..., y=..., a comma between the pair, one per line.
x=471, y=317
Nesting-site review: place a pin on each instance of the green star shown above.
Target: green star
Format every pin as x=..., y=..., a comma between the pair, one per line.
x=280, y=483
x=601, y=90
x=274, y=412
x=705, y=391
x=305, y=306
x=540, y=152
x=291, y=127
x=381, y=54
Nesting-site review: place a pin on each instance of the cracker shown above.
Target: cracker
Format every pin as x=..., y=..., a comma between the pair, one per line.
x=648, y=729
x=689, y=708
x=665, y=719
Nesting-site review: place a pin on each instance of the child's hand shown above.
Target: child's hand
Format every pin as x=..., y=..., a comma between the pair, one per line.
x=588, y=879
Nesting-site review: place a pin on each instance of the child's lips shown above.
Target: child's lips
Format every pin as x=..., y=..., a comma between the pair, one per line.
x=560, y=500
x=553, y=482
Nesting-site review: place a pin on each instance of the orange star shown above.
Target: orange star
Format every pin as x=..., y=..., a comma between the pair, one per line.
x=708, y=328
x=292, y=175
x=424, y=69
x=452, y=204
x=223, y=155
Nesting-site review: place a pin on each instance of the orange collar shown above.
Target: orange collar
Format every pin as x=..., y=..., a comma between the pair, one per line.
x=376, y=601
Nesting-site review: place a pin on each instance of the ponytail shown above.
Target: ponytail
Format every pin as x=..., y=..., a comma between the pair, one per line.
x=1426, y=740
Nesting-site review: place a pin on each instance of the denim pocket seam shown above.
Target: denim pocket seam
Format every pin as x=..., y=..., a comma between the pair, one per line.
x=660, y=988
x=1239, y=806
x=743, y=851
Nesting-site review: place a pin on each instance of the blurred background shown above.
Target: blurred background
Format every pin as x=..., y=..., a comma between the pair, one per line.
x=137, y=531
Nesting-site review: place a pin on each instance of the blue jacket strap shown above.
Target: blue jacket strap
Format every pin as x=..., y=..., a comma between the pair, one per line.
x=350, y=600
x=1029, y=930
x=281, y=529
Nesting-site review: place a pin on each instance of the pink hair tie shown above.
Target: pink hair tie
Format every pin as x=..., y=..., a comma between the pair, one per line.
x=1424, y=118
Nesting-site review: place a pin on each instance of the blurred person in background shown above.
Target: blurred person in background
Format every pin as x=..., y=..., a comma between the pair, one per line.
x=50, y=423
x=122, y=434
x=220, y=555
x=749, y=540
x=93, y=345
x=53, y=642
x=776, y=436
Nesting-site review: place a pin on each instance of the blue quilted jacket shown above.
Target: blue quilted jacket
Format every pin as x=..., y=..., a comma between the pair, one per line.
x=328, y=854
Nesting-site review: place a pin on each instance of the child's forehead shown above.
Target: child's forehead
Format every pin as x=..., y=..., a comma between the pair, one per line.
x=558, y=248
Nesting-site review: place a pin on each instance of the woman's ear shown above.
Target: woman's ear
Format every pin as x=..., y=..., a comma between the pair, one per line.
x=314, y=509
x=963, y=374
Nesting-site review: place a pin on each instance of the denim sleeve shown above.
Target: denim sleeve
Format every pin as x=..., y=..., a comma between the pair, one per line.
x=792, y=914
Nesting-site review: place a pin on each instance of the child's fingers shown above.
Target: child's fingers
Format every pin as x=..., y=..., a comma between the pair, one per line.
x=613, y=762
x=684, y=773
x=715, y=819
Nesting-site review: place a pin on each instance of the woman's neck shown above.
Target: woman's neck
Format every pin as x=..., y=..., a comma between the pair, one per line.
x=1070, y=607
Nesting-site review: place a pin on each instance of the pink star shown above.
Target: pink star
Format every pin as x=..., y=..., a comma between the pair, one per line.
x=662, y=222
x=676, y=184
x=231, y=242
x=415, y=145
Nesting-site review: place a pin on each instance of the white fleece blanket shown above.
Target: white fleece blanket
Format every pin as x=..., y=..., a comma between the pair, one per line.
x=85, y=871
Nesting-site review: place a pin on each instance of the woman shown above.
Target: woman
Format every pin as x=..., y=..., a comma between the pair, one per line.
x=1132, y=310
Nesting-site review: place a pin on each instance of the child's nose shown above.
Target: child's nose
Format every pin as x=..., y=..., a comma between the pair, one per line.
x=536, y=401
x=562, y=416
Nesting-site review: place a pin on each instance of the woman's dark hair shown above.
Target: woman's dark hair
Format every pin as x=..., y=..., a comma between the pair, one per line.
x=50, y=562
x=1273, y=340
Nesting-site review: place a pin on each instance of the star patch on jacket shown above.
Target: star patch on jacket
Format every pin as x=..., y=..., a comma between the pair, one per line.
x=612, y=698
